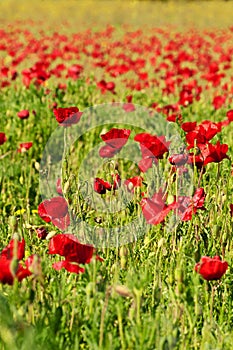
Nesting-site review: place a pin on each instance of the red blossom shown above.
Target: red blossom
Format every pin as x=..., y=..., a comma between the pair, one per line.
x=178, y=159
x=41, y=232
x=7, y=276
x=211, y=268
x=231, y=209
x=59, y=187
x=115, y=139
x=55, y=210
x=196, y=159
x=133, y=182
x=104, y=86
x=230, y=115
x=187, y=206
x=14, y=246
x=74, y=252
x=202, y=133
x=25, y=146
x=3, y=138
x=24, y=114
x=152, y=148
x=10, y=268
x=186, y=96
x=189, y=126
x=154, y=209
x=219, y=101
x=214, y=153
x=172, y=112
x=74, y=71
x=100, y=186
x=70, y=267
x=67, y=116
x=129, y=107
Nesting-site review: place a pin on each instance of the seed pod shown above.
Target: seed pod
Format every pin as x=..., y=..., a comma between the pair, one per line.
x=123, y=251
x=37, y=166
x=66, y=187
x=123, y=291
x=123, y=262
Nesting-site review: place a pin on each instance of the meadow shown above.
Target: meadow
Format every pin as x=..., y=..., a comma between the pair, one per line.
x=116, y=175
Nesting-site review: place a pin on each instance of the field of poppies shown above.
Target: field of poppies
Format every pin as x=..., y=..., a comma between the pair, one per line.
x=116, y=179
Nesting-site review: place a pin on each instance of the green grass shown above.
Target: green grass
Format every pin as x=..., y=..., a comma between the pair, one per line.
x=164, y=303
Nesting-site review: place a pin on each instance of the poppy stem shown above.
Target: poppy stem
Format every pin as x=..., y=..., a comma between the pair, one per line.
x=101, y=335
x=200, y=176
x=218, y=172
x=212, y=302
x=6, y=154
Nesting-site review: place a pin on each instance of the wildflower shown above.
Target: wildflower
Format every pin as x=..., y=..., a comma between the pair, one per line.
x=152, y=148
x=55, y=210
x=73, y=251
x=67, y=116
x=115, y=139
x=3, y=138
x=211, y=268
x=24, y=114
x=25, y=146
x=10, y=267
x=154, y=209
x=100, y=186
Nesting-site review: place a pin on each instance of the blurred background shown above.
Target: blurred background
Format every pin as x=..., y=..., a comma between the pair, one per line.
x=78, y=14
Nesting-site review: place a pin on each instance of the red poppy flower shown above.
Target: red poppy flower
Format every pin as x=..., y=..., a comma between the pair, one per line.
x=100, y=186
x=55, y=210
x=104, y=86
x=230, y=115
x=14, y=246
x=115, y=139
x=202, y=133
x=187, y=206
x=231, y=209
x=154, y=209
x=68, y=246
x=24, y=114
x=74, y=71
x=189, y=126
x=152, y=148
x=219, y=101
x=108, y=152
x=74, y=252
x=10, y=267
x=3, y=138
x=129, y=107
x=61, y=223
x=59, y=187
x=133, y=182
x=195, y=159
x=70, y=267
x=214, y=153
x=7, y=275
x=67, y=116
x=25, y=146
x=186, y=96
x=129, y=98
x=172, y=112
x=211, y=268
x=41, y=232
x=178, y=159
